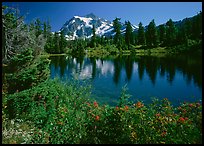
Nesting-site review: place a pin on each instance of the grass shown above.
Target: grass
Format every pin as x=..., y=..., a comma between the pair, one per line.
x=139, y=50
x=48, y=55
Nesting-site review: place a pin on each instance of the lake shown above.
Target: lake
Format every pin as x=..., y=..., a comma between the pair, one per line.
x=178, y=78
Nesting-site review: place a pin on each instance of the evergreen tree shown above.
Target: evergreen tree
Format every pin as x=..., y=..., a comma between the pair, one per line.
x=62, y=43
x=93, y=39
x=128, y=34
x=162, y=34
x=50, y=46
x=117, y=27
x=182, y=36
x=141, y=35
x=38, y=27
x=45, y=30
x=31, y=27
x=135, y=38
x=48, y=28
x=56, y=43
x=197, y=26
x=170, y=33
x=151, y=34
x=188, y=27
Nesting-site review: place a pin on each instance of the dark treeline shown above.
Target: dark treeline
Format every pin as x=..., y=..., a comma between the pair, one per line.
x=185, y=34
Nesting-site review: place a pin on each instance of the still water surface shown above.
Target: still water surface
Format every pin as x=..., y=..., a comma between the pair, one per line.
x=177, y=78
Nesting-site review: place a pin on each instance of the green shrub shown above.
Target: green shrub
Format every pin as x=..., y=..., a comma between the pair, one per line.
x=64, y=114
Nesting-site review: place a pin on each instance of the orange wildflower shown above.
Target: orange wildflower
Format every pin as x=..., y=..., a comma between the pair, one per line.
x=97, y=118
x=126, y=108
x=139, y=104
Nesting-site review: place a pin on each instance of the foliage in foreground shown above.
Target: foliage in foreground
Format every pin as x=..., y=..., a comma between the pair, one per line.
x=53, y=112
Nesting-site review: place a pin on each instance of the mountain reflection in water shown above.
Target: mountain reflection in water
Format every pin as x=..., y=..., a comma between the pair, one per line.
x=178, y=78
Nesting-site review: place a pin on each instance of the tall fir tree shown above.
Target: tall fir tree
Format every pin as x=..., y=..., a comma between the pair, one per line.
x=93, y=39
x=170, y=33
x=141, y=35
x=117, y=27
x=56, y=43
x=62, y=43
x=38, y=27
x=128, y=34
x=151, y=34
x=162, y=34
x=46, y=29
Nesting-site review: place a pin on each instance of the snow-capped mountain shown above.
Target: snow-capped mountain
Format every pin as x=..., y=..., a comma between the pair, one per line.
x=81, y=27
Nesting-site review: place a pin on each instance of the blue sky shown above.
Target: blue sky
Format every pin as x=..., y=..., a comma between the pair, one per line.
x=59, y=12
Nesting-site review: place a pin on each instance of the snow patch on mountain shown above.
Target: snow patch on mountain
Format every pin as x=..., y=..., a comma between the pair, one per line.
x=81, y=27
x=86, y=20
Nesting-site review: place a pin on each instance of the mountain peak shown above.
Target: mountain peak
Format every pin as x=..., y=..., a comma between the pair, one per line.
x=81, y=27
x=91, y=15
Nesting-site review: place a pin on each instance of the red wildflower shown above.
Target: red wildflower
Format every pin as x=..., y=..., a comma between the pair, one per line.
x=186, y=118
x=181, y=119
x=97, y=118
x=190, y=105
x=126, y=108
x=158, y=114
x=95, y=104
x=163, y=133
x=116, y=108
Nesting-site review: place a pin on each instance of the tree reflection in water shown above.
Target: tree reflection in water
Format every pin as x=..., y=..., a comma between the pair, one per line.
x=124, y=69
